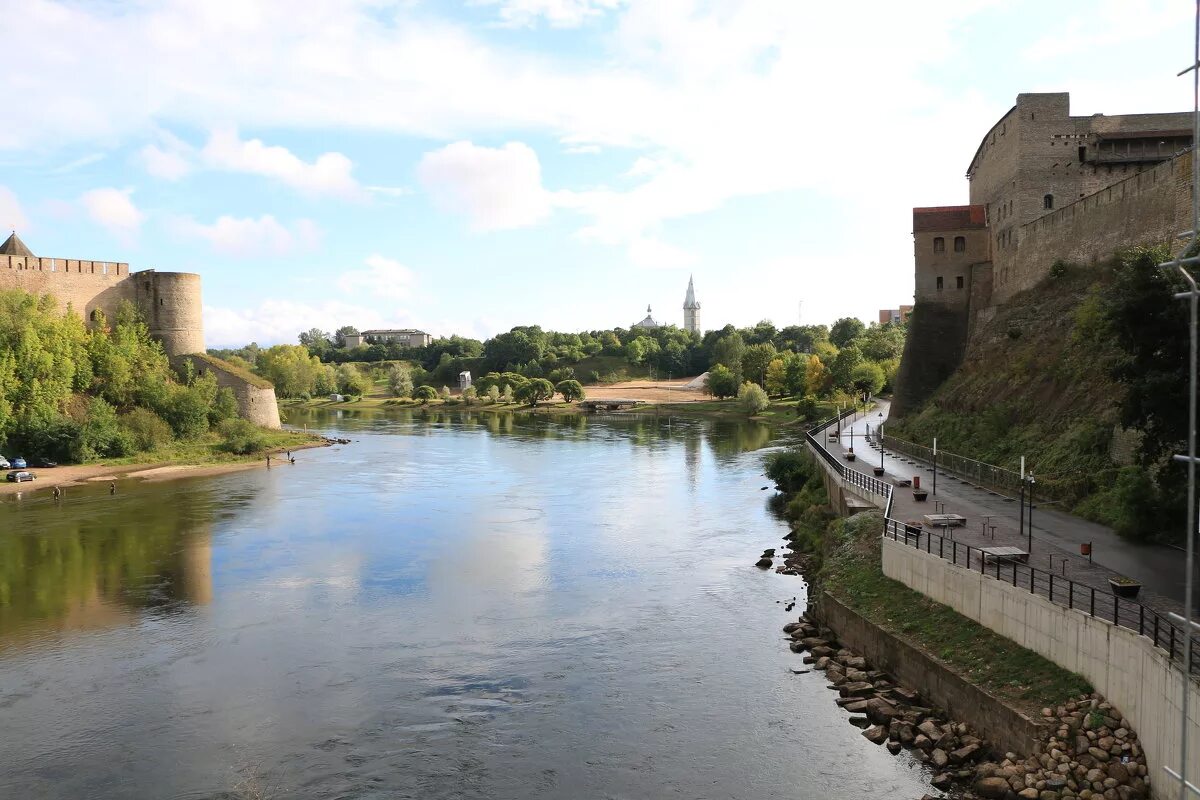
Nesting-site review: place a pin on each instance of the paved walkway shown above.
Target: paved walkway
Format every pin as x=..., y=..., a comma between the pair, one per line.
x=1056, y=535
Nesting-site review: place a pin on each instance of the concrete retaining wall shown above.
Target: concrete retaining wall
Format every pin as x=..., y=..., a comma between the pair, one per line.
x=1006, y=727
x=1135, y=676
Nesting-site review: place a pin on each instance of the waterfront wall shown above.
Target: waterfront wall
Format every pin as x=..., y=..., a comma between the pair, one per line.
x=1006, y=727
x=1126, y=668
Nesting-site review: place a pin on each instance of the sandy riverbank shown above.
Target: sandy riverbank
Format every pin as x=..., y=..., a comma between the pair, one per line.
x=78, y=474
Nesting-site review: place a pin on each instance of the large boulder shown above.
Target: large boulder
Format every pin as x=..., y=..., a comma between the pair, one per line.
x=994, y=787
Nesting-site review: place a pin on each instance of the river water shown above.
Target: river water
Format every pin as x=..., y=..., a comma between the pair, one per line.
x=452, y=606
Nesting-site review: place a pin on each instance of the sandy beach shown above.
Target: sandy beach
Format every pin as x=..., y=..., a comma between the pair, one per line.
x=77, y=474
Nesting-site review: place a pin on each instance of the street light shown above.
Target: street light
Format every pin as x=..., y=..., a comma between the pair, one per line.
x=1032, y=481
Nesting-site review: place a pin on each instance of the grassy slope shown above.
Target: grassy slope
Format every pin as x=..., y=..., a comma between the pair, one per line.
x=1034, y=382
x=847, y=565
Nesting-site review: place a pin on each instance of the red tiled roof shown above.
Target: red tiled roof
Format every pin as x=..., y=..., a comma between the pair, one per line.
x=948, y=218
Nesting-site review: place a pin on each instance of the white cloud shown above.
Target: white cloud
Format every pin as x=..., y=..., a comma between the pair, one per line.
x=656, y=254
x=245, y=236
x=558, y=13
x=495, y=188
x=390, y=191
x=383, y=277
x=113, y=209
x=79, y=163
x=329, y=174
x=12, y=216
x=280, y=321
x=170, y=159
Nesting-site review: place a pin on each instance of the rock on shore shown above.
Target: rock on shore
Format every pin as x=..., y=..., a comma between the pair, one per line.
x=1090, y=753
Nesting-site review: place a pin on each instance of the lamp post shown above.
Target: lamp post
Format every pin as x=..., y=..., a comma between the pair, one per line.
x=1029, y=544
x=1021, y=504
x=880, y=431
x=935, y=466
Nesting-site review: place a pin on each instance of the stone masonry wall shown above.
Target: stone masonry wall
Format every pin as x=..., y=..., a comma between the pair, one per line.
x=1128, y=669
x=1006, y=727
x=255, y=396
x=937, y=337
x=1151, y=207
x=170, y=301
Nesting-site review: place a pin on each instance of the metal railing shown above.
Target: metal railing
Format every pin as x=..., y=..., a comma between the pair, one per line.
x=1058, y=589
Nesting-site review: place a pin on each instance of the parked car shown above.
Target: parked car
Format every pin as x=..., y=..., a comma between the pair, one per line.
x=41, y=463
x=19, y=476
x=18, y=463
x=4, y=463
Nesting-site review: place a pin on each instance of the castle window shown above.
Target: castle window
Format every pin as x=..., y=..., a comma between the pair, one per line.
x=958, y=282
x=939, y=283
x=960, y=244
x=161, y=302
x=939, y=244
x=1048, y=201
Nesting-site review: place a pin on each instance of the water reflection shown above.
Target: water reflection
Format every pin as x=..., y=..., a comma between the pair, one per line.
x=456, y=605
x=85, y=564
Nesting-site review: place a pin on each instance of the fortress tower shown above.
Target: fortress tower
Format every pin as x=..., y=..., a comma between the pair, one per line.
x=691, y=310
x=170, y=302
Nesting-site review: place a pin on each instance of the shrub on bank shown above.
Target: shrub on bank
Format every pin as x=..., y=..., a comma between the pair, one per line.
x=241, y=437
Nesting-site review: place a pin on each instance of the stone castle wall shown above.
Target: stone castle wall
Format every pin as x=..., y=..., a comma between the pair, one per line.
x=1151, y=207
x=171, y=303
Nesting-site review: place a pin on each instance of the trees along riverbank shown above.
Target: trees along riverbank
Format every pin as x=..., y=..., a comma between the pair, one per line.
x=77, y=393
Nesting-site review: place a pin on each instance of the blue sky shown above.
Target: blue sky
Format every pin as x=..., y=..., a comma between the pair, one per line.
x=467, y=167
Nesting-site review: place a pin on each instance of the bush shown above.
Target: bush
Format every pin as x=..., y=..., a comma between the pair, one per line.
x=400, y=380
x=147, y=431
x=424, y=394
x=224, y=407
x=593, y=377
x=493, y=394
x=241, y=437
x=470, y=395
x=753, y=398
x=100, y=435
x=790, y=469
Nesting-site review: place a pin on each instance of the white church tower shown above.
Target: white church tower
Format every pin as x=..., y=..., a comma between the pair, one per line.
x=691, y=309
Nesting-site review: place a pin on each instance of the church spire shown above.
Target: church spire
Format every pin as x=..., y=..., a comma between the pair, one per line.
x=689, y=302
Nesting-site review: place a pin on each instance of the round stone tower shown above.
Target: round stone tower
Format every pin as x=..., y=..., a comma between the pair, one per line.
x=171, y=303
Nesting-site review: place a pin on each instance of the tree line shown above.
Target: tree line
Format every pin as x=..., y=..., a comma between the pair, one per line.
x=805, y=360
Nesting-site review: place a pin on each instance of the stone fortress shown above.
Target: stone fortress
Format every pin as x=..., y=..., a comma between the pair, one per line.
x=1044, y=187
x=171, y=303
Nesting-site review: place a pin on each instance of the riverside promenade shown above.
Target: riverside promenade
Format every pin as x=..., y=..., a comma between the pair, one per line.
x=1056, y=535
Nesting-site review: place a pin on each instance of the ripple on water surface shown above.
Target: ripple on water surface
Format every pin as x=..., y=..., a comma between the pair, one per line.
x=461, y=606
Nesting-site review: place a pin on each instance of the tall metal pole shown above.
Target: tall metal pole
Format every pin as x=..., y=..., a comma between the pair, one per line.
x=1029, y=541
x=935, y=466
x=880, y=430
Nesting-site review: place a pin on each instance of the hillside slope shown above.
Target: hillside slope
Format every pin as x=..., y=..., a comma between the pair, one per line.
x=1036, y=381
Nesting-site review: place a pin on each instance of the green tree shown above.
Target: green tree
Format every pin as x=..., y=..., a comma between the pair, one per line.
x=755, y=361
x=424, y=394
x=400, y=380
x=506, y=394
x=470, y=395
x=753, y=398
x=351, y=380
x=776, y=382
x=571, y=390
x=721, y=382
x=817, y=379
x=535, y=391
x=846, y=330
x=291, y=368
x=868, y=377
x=728, y=351
x=842, y=369
x=493, y=394
x=339, y=336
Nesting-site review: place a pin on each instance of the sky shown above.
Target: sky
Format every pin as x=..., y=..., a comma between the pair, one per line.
x=466, y=167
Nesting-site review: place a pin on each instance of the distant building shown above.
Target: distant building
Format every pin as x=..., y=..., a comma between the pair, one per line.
x=894, y=315
x=405, y=338
x=648, y=324
x=691, y=310
x=464, y=380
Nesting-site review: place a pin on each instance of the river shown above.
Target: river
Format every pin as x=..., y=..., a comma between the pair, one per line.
x=452, y=606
